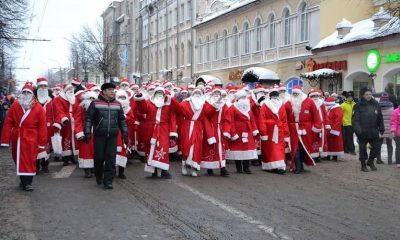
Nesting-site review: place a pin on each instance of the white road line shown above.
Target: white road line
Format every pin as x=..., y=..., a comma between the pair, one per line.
x=65, y=172
x=56, y=163
x=237, y=213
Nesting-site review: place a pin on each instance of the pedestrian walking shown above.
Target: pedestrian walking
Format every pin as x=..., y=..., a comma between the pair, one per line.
x=333, y=126
x=25, y=129
x=106, y=116
x=367, y=122
x=386, y=108
x=348, y=132
x=395, y=130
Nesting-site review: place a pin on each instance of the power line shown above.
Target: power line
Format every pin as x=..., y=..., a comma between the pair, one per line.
x=28, y=39
x=43, y=13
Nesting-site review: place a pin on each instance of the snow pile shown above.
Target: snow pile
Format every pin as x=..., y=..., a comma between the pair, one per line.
x=260, y=73
x=382, y=14
x=320, y=73
x=344, y=24
x=208, y=78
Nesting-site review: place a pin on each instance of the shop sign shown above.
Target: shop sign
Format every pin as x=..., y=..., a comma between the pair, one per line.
x=373, y=60
x=393, y=57
x=235, y=74
x=335, y=65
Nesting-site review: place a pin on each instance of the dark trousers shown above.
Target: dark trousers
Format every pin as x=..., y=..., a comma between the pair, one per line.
x=397, y=152
x=299, y=158
x=348, y=139
x=389, y=149
x=242, y=165
x=26, y=180
x=374, y=142
x=105, y=151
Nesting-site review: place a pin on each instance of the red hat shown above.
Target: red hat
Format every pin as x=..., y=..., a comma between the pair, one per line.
x=125, y=81
x=92, y=87
x=297, y=89
x=76, y=81
x=258, y=89
x=314, y=92
x=184, y=89
x=191, y=87
x=330, y=101
x=134, y=86
x=282, y=87
x=41, y=81
x=232, y=89
x=28, y=87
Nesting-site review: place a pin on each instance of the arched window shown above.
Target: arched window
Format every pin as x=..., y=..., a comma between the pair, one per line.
x=200, y=50
x=208, y=49
x=189, y=52
x=286, y=27
x=293, y=82
x=303, y=22
x=257, y=25
x=235, y=39
x=182, y=54
x=246, y=45
x=226, y=42
x=272, y=36
x=216, y=47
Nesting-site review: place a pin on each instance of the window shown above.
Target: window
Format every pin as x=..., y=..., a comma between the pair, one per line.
x=235, y=39
x=303, y=23
x=160, y=59
x=170, y=57
x=189, y=52
x=182, y=54
x=170, y=19
x=225, y=47
x=246, y=46
x=286, y=27
x=257, y=26
x=182, y=13
x=208, y=49
x=200, y=49
x=189, y=10
x=272, y=31
x=293, y=82
x=216, y=48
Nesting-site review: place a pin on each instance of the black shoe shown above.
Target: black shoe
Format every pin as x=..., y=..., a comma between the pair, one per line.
x=210, y=172
x=281, y=171
x=379, y=162
x=21, y=185
x=256, y=163
x=88, y=174
x=371, y=165
x=224, y=172
x=165, y=174
x=297, y=171
x=239, y=167
x=72, y=159
x=247, y=171
x=45, y=169
x=108, y=186
x=364, y=168
x=99, y=181
x=122, y=176
x=334, y=158
x=65, y=163
x=28, y=188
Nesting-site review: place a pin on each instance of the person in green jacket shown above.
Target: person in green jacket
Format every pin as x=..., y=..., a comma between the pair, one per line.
x=348, y=140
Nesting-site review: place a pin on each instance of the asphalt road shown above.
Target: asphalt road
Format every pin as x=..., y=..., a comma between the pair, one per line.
x=333, y=200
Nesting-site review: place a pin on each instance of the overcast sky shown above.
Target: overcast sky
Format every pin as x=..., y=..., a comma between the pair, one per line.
x=55, y=20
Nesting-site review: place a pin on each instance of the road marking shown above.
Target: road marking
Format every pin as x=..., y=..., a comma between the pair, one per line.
x=237, y=213
x=56, y=163
x=65, y=172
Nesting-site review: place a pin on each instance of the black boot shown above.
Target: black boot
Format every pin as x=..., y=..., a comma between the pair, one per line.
x=224, y=172
x=371, y=164
x=88, y=173
x=72, y=159
x=246, y=167
x=45, y=165
x=379, y=161
x=364, y=167
x=165, y=174
x=334, y=158
x=210, y=172
x=154, y=174
x=239, y=167
x=37, y=166
x=121, y=172
x=65, y=160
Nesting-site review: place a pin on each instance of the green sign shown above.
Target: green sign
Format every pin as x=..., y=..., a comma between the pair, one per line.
x=392, y=57
x=373, y=60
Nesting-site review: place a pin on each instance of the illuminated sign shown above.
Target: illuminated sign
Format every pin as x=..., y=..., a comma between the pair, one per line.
x=392, y=57
x=373, y=60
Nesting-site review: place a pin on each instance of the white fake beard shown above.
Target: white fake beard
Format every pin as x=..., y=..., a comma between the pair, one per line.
x=318, y=102
x=70, y=96
x=274, y=105
x=124, y=87
x=243, y=105
x=124, y=104
x=158, y=101
x=197, y=102
x=217, y=101
x=86, y=103
x=296, y=105
x=56, y=93
x=283, y=96
x=42, y=95
x=26, y=101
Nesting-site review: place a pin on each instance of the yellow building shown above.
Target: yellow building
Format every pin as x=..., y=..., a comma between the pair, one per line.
x=277, y=35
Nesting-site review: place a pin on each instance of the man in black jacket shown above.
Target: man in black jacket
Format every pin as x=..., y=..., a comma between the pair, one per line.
x=368, y=125
x=105, y=115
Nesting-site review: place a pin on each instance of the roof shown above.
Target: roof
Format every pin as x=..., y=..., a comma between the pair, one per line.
x=258, y=74
x=362, y=30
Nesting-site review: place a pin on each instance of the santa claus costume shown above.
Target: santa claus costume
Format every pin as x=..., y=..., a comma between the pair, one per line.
x=256, y=100
x=214, y=143
x=64, y=122
x=274, y=133
x=243, y=128
x=319, y=140
x=334, y=137
x=44, y=98
x=25, y=129
x=86, y=148
x=303, y=119
x=122, y=149
x=158, y=110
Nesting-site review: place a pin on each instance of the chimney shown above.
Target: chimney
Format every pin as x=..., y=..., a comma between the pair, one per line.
x=381, y=18
x=344, y=27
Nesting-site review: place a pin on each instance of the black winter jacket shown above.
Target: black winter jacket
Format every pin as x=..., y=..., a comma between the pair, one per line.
x=105, y=116
x=367, y=119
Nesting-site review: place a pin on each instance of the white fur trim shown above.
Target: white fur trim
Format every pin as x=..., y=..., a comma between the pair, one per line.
x=160, y=165
x=245, y=134
x=278, y=164
x=235, y=137
x=287, y=139
x=42, y=154
x=119, y=149
x=173, y=134
x=316, y=130
x=264, y=138
x=173, y=149
x=63, y=119
x=41, y=147
x=149, y=169
x=66, y=153
x=57, y=125
x=85, y=163
x=255, y=132
x=211, y=140
x=301, y=132
x=335, y=153
x=137, y=123
x=5, y=145
x=242, y=155
x=153, y=141
x=79, y=135
x=334, y=132
x=120, y=161
x=141, y=98
x=213, y=165
x=328, y=127
x=227, y=135
x=314, y=155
